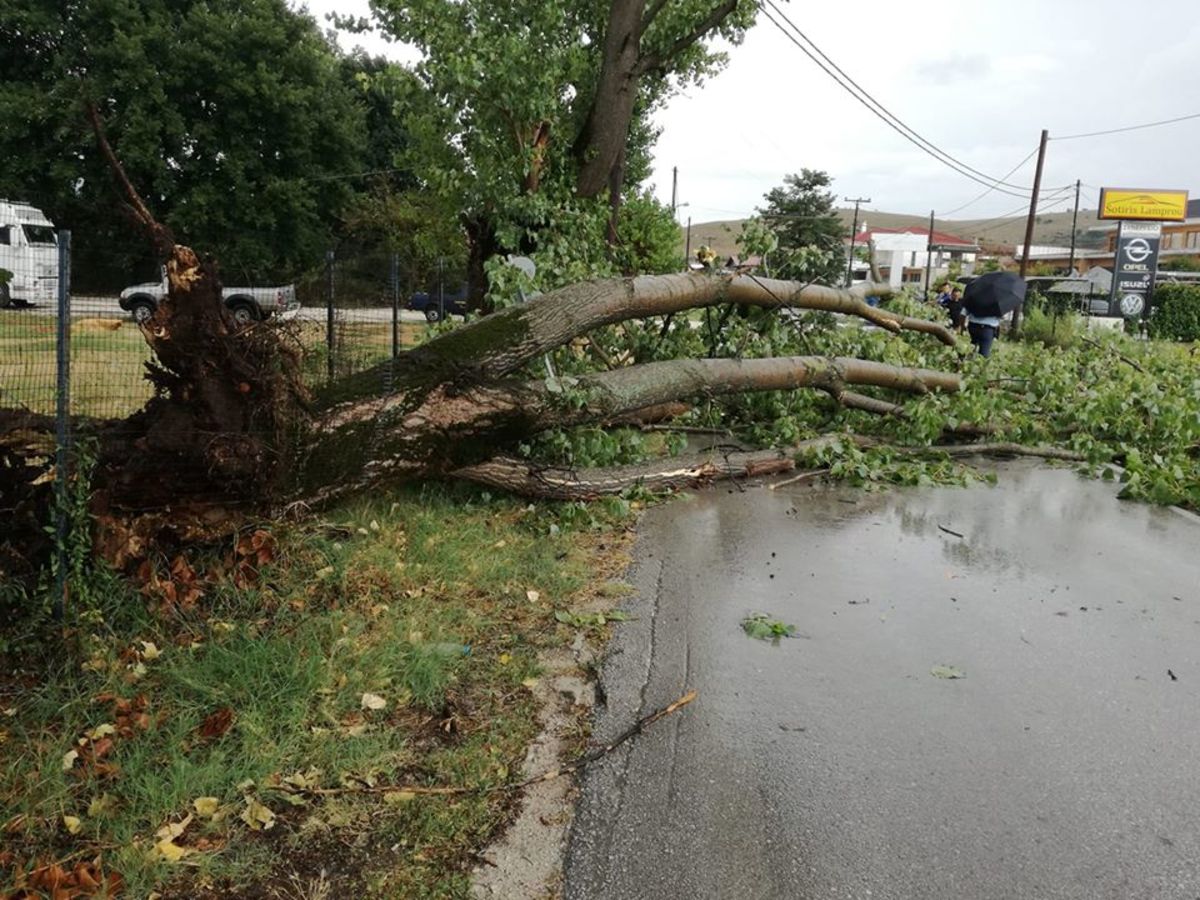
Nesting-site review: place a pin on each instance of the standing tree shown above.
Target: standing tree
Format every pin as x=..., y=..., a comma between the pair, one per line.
x=807, y=229
x=536, y=118
x=237, y=118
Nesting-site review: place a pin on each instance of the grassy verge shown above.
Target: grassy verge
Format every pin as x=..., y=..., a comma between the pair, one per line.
x=254, y=740
x=109, y=355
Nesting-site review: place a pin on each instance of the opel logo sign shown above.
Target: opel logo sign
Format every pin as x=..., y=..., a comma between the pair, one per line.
x=1138, y=250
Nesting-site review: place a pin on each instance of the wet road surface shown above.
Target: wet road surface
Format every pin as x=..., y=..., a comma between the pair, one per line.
x=1066, y=764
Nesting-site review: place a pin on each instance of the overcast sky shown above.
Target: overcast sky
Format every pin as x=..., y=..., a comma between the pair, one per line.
x=980, y=81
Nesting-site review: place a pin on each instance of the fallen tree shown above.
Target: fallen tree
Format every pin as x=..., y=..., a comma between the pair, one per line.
x=232, y=433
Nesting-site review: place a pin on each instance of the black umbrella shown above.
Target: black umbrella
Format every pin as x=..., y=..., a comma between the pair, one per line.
x=994, y=294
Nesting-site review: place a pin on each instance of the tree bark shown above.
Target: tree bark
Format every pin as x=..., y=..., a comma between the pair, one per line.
x=602, y=141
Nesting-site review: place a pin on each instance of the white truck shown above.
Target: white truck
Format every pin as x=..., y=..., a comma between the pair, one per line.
x=247, y=304
x=28, y=255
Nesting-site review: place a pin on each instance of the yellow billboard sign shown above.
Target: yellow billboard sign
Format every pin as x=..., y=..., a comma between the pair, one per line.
x=1149, y=206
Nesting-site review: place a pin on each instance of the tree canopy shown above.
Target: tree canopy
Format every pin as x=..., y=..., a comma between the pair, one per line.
x=537, y=128
x=801, y=216
x=236, y=117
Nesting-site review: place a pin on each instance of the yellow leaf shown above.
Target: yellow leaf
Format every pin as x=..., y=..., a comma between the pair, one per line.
x=170, y=851
x=374, y=525
x=504, y=659
x=396, y=797
x=325, y=572
x=72, y=824
x=533, y=596
x=150, y=651
x=223, y=627
x=68, y=760
x=257, y=816
x=138, y=671
x=206, y=807
x=173, y=829
x=101, y=805
x=101, y=731
x=247, y=785
x=10, y=711
x=373, y=701
x=530, y=683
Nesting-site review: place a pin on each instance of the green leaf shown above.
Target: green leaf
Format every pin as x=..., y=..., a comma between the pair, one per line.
x=948, y=672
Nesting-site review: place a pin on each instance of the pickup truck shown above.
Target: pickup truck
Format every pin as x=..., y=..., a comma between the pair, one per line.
x=247, y=304
x=454, y=302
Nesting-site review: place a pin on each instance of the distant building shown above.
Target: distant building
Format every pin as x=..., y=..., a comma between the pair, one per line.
x=901, y=254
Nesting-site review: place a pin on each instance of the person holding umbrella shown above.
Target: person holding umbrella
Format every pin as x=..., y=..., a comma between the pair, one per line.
x=988, y=298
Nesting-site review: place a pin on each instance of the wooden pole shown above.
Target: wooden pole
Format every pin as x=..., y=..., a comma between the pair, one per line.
x=1033, y=202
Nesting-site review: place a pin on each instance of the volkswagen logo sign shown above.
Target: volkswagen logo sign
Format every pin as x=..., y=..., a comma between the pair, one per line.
x=1132, y=305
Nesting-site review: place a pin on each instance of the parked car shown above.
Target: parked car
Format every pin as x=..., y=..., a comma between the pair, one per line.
x=248, y=304
x=454, y=302
x=28, y=255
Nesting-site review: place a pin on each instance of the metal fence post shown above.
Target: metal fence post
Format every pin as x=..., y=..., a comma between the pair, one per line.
x=395, y=305
x=62, y=419
x=329, y=335
x=441, y=289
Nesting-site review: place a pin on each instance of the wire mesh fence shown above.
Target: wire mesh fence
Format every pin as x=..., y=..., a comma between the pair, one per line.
x=77, y=360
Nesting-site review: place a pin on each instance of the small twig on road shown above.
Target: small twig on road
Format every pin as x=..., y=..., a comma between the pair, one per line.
x=803, y=476
x=455, y=791
x=949, y=531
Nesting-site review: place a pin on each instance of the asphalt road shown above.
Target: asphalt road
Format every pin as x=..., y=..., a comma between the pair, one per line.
x=107, y=308
x=1064, y=764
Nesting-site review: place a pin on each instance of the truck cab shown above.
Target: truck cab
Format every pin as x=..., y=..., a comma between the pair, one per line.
x=28, y=255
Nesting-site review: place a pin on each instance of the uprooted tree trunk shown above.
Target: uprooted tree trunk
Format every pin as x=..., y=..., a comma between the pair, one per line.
x=231, y=432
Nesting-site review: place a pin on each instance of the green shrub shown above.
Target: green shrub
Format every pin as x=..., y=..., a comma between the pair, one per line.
x=1049, y=329
x=1176, y=315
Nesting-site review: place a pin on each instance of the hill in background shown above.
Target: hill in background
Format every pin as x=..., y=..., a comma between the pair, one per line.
x=1051, y=228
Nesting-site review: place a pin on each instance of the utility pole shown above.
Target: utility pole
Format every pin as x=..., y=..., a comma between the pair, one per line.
x=687, y=251
x=853, y=235
x=929, y=254
x=674, y=189
x=1033, y=202
x=1074, y=222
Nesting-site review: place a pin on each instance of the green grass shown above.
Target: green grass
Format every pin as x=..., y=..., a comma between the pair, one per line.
x=418, y=597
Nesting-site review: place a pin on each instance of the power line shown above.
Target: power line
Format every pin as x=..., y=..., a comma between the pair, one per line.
x=1003, y=220
x=830, y=68
x=1071, y=137
x=989, y=190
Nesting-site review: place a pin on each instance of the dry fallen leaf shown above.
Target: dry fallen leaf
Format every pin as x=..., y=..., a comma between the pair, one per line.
x=173, y=829
x=397, y=797
x=170, y=851
x=504, y=659
x=373, y=701
x=530, y=683
x=216, y=723
x=257, y=816
x=150, y=651
x=206, y=807
x=68, y=760
x=532, y=596
x=101, y=731
x=72, y=824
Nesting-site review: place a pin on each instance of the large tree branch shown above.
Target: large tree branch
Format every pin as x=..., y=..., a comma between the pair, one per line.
x=620, y=391
x=660, y=61
x=506, y=340
x=163, y=240
x=559, y=483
